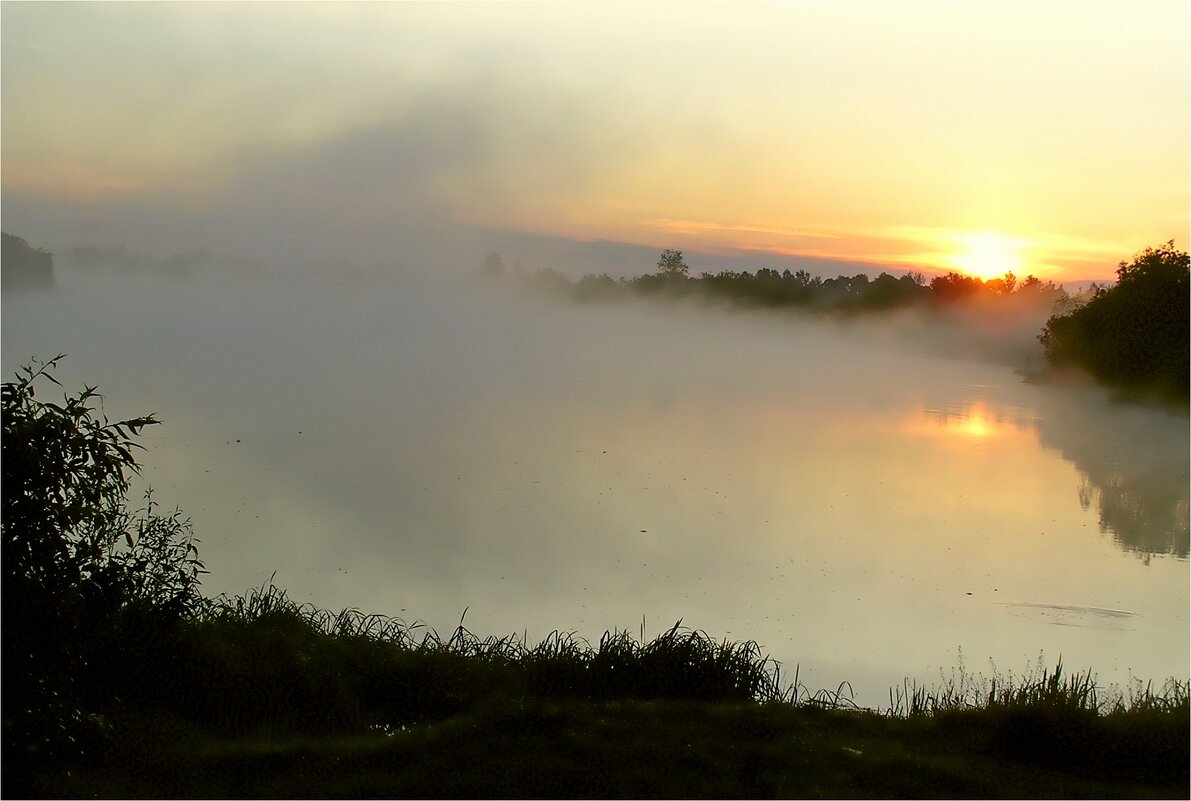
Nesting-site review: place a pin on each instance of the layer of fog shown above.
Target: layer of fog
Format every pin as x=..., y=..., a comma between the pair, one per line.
x=413, y=439
x=420, y=335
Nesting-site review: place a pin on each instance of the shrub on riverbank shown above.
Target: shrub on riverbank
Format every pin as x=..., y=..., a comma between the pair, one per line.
x=80, y=570
x=1134, y=335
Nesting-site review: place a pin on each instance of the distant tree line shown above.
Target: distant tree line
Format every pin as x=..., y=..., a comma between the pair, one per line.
x=768, y=288
x=120, y=258
x=1132, y=335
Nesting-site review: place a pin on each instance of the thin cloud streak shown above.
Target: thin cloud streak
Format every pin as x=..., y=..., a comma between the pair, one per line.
x=698, y=227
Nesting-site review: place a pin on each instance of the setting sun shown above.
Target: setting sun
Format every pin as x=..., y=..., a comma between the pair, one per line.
x=987, y=255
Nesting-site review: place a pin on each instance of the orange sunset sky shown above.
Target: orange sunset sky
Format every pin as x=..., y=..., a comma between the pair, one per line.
x=1041, y=137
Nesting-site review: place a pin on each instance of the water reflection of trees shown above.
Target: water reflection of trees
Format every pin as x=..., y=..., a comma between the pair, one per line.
x=1133, y=462
x=1137, y=520
x=1133, y=465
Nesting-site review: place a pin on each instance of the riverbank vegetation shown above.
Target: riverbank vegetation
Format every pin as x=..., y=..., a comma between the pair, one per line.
x=767, y=288
x=123, y=680
x=261, y=697
x=1135, y=334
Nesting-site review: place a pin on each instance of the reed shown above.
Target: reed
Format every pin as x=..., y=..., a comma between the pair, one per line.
x=376, y=656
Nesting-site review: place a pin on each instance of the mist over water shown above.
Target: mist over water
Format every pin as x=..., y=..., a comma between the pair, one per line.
x=865, y=499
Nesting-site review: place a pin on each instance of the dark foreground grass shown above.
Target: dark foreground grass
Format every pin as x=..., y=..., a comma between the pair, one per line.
x=624, y=749
x=262, y=697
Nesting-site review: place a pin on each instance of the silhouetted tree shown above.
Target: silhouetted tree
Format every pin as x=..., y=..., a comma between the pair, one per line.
x=671, y=265
x=1136, y=333
x=1001, y=286
x=954, y=286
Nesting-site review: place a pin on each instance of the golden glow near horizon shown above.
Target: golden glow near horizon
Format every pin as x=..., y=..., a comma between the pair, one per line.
x=986, y=255
x=980, y=136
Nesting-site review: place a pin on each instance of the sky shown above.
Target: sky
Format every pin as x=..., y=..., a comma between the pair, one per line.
x=1044, y=137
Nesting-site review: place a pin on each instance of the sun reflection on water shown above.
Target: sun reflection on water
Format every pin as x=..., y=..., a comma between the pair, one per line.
x=974, y=421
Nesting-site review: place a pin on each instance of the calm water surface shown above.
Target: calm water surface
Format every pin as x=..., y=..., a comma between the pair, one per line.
x=863, y=510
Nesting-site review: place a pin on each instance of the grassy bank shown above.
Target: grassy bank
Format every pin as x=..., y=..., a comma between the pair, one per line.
x=258, y=696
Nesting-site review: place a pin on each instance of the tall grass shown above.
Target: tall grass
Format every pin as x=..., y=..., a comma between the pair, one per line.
x=262, y=661
x=1061, y=720
x=1039, y=687
x=262, y=664
x=678, y=663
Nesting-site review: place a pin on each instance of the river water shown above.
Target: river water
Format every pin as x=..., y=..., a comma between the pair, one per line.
x=865, y=501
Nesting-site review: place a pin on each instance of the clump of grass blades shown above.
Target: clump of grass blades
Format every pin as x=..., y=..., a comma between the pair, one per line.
x=963, y=690
x=1171, y=697
x=1041, y=688
x=1050, y=690
x=263, y=662
x=1058, y=720
x=270, y=605
x=559, y=665
x=682, y=664
x=329, y=671
x=799, y=694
